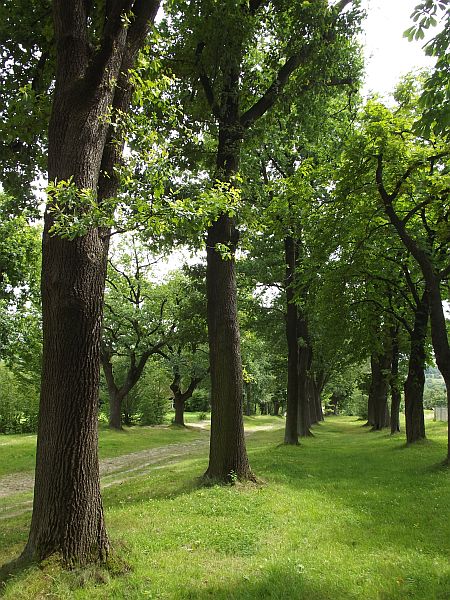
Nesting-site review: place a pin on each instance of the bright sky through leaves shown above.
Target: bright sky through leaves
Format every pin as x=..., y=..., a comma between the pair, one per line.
x=388, y=54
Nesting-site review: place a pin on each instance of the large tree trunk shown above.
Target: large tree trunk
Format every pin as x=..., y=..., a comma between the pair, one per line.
x=228, y=455
x=178, y=404
x=415, y=381
x=67, y=514
x=67, y=511
x=291, y=433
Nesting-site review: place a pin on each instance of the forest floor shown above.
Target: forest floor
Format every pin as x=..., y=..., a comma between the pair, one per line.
x=348, y=514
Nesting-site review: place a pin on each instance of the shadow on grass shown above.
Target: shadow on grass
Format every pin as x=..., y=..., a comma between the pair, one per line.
x=366, y=477
x=135, y=491
x=275, y=583
x=12, y=569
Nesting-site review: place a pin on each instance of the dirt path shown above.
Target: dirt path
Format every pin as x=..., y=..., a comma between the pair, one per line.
x=113, y=470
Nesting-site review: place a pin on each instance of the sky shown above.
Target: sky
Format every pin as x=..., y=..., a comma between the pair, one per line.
x=388, y=54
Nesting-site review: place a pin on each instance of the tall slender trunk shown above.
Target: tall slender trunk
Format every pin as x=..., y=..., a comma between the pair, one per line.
x=395, y=388
x=248, y=397
x=304, y=421
x=380, y=370
x=415, y=381
x=228, y=455
x=291, y=433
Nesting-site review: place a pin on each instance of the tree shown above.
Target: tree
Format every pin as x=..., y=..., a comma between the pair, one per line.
x=95, y=49
x=20, y=251
x=186, y=352
x=136, y=326
x=27, y=72
x=410, y=178
x=225, y=47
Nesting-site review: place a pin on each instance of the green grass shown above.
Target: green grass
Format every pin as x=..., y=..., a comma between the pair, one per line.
x=348, y=514
x=18, y=452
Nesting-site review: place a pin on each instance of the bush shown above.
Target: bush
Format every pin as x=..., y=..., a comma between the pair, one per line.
x=356, y=404
x=19, y=403
x=199, y=401
x=152, y=397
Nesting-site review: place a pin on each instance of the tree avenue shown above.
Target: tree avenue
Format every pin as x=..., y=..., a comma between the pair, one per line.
x=236, y=128
x=304, y=37
x=408, y=176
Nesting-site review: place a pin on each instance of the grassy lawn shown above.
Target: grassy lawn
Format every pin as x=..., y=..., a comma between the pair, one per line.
x=18, y=451
x=348, y=514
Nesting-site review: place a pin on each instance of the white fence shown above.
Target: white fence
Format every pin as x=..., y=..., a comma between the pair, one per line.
x=440, y=413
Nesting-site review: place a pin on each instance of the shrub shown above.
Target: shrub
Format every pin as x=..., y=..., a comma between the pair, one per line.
x=19, y=403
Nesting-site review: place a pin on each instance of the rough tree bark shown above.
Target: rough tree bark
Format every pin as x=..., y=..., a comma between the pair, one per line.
x=67, y=511
x=291, y=432
x=415, y=381
x=380, y=366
